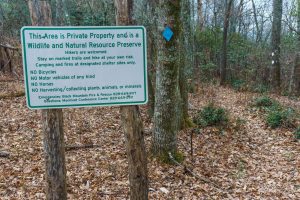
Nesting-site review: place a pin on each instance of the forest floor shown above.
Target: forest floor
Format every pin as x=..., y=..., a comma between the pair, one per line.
x=247, y=160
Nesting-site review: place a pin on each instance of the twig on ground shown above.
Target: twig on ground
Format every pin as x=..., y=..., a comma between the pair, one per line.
x=15, y=94
x=4, y=154
x=9, y=47
x=84, y=146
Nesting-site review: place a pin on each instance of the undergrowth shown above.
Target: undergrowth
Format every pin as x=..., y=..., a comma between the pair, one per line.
x=211, y=115
x=276, y=114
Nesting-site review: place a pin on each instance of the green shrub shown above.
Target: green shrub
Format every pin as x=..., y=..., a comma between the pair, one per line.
x=264, y=101
x=210, y=116
x=278, y=117
x=297, y=133
x=238, y=84
x=260, y=88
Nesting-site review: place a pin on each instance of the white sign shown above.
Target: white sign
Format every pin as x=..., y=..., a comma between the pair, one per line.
x=84, y=66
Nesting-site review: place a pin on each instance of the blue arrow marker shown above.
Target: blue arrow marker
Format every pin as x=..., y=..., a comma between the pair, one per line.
x=168, y=33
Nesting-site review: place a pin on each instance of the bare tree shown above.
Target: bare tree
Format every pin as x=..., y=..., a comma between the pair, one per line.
x=276, y=40
x=224, y=45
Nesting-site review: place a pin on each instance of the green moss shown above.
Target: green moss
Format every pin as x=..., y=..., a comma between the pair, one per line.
x=165, y=158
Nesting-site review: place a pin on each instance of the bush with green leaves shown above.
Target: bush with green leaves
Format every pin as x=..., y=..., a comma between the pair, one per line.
x=264, y=101
x=260, y=88
x=238, y=84
x=211, y=115
x=280, y=117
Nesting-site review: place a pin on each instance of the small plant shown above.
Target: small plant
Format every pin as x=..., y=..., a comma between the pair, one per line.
x=264, y=101
x=297, y=133
x=260, y=88
x=278, y=116
x=210, y=116
x=238, y=85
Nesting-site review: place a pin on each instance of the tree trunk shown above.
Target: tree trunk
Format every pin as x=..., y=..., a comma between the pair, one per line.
x=152, y=55
x=276, y=36
x=52, y=120
x=185, y=60
x=200, y=15
x=224, y=45
x=60, y=13
x=258, y=35
x=295, y=77
x=298, y=21
x=132, y=125
x=167, y=90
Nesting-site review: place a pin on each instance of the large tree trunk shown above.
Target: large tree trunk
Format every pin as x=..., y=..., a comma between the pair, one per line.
x=167, y=90
x=223, y=70
x=132, y=125
x=52, y=120
x=276, y=36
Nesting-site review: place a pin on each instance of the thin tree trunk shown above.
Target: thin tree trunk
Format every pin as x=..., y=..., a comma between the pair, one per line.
x=152, y=55
x=200, y=15
x=60, y=13
x=52, y=120
x=185, y=61
x=258, y=35
x=223, y=70
x=276, y=39
x=167, y=89
x=295, y=75
x=132, y=125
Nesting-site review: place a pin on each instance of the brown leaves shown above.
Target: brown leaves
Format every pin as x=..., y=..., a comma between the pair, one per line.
x=247, y=160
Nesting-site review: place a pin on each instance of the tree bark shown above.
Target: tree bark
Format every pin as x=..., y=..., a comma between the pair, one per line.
x=276, y=39
x=60, y=13
x=52, y=120
x=295, y=75
x=258, y=35
x=185, y=60
x=167, y=89
x=132, y=125
x=152, y=54
x=200, y=15
x=223, y=70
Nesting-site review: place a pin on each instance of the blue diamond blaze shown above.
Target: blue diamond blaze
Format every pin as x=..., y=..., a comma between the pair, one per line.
x=168, y=33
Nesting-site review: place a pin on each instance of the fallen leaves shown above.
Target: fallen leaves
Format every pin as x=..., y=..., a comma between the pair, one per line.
x=248, y=160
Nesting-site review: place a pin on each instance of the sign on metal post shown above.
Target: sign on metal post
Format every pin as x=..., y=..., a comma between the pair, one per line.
x=84, y=66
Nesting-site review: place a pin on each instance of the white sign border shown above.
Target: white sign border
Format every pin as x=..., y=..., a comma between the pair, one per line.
x=25, y=68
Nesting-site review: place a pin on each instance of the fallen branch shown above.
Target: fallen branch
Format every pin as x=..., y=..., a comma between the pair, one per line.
x=16, y=94
x=4, y=154
x=9, y=47
x=199, y=177
x=84, y=146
